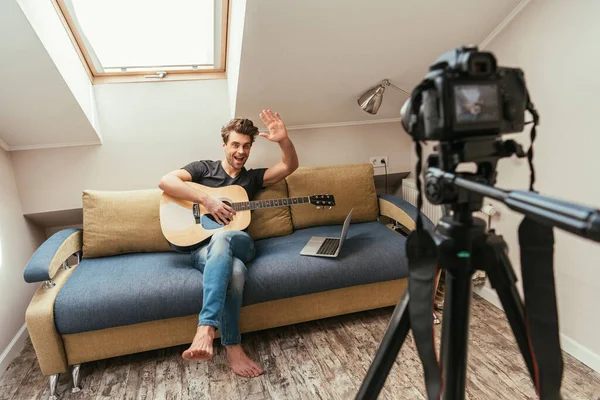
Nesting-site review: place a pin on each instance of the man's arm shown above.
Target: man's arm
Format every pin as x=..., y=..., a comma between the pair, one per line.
x=289, y=158
x=173, y=184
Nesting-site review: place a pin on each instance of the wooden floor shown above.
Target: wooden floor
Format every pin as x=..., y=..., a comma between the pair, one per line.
x=324, y=359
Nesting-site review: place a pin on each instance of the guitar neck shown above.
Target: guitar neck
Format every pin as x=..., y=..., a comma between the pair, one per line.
x=258, y=204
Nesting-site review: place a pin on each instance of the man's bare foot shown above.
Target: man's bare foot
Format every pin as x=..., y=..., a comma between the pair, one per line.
x=202, y=346
x=241, y=364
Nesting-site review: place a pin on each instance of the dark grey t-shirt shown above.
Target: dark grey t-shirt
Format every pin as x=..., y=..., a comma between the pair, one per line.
x=212, y=174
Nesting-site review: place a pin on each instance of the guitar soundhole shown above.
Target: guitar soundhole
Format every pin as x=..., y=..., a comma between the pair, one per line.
x=208, y=222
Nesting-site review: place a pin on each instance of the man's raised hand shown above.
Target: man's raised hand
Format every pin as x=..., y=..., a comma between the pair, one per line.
x=277, y=131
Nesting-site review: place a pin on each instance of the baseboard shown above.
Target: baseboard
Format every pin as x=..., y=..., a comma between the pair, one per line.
x=13, y=349
x=489, y=294
x=580, y=352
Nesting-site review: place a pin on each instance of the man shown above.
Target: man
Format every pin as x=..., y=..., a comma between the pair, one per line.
x=223, y=260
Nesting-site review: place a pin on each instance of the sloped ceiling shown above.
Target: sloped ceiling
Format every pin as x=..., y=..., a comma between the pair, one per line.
x=37, y=108
x=310, y=60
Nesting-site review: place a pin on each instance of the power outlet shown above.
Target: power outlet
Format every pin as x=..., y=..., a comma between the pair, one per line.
x=379, y=161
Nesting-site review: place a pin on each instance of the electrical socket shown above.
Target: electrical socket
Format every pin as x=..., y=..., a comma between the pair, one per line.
x=379, y=161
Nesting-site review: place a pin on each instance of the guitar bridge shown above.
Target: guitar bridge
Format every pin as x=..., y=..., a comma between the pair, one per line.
x=196, y=211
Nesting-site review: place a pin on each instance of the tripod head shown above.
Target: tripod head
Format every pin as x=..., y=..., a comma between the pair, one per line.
x=485, y=152
x=580, y=220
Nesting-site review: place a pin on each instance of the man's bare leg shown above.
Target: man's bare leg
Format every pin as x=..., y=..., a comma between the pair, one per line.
x=202, y=346
x=241, y=364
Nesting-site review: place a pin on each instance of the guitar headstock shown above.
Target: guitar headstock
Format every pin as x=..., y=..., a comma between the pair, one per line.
x=322, y=200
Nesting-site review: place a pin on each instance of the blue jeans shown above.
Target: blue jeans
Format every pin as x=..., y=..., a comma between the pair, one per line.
x=222, y=262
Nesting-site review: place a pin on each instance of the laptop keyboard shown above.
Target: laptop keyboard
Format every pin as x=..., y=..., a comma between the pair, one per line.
x=329, y=247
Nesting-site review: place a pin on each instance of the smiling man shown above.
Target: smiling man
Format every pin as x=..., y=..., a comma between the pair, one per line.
x=223, y=260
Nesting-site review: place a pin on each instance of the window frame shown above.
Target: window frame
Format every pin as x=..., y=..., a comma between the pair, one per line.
x=143, y=76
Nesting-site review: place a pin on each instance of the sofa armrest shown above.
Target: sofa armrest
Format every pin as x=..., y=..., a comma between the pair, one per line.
x=401, y=211
x=51, y=255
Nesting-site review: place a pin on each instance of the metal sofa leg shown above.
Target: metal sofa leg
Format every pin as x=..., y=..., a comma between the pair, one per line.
x=75, y=375
x=53, y=385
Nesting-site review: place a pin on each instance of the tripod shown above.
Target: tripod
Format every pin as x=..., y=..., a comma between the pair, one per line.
x=463, y=246
x=487, y=250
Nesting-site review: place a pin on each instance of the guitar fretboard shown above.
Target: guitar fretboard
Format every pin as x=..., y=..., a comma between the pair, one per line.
x=256, y=204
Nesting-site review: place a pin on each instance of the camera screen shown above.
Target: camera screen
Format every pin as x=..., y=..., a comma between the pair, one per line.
x=476, y=103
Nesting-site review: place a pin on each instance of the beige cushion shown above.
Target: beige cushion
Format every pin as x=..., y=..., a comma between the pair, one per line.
x=271, y=222
x=352, y=186
x=121, y=222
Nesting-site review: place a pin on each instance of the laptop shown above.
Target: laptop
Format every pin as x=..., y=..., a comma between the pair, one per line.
x=327, y=246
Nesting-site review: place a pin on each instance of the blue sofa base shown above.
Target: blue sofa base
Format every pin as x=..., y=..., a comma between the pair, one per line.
x=135, y=288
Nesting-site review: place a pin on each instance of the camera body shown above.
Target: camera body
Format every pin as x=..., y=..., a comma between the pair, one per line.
x=465, y=94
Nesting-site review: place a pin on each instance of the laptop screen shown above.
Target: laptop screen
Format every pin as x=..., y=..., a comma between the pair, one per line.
x=346, y=226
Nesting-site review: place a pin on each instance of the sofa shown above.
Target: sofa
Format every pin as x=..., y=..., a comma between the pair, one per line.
x=116, y=287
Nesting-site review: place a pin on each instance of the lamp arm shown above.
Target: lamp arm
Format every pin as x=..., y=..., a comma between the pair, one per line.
x=388, y=83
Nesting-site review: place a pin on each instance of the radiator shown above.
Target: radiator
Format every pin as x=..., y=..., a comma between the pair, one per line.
x=409, y=193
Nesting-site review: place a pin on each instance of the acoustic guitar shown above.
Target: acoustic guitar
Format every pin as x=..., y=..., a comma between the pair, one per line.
x=185, y=224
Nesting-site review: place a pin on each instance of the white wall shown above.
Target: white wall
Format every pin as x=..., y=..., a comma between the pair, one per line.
x=39, y=106
x=45, y=21
x=148, y=130
x=237, y=13
x=553, y=41
x=18, y=241
x=152, y=128
x=342, y=145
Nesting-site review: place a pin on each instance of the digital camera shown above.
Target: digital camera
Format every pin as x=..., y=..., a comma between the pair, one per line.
x=465, y=94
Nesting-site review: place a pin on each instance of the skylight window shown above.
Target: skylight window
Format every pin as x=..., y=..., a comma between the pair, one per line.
x=152, y=38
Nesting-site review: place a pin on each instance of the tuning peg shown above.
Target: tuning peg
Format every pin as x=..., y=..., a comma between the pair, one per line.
x=318, y=207
x=330, y=207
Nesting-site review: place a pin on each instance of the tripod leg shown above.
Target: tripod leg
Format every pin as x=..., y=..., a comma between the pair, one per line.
x=456, y=239
x=455, y=332
x=388, y=351
x=503, y=279
x=436, y=320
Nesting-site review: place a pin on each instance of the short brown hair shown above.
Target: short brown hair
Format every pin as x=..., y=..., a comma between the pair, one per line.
x=242, y=126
